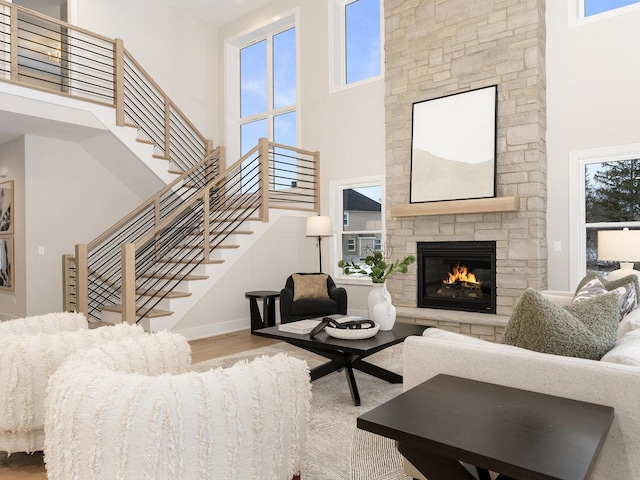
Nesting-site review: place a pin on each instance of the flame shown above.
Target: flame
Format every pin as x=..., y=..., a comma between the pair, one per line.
x=461, y=274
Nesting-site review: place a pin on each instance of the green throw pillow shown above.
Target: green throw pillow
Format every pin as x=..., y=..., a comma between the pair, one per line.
x=586, y=329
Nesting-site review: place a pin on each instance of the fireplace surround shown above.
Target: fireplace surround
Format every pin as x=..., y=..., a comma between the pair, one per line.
x=457, y=275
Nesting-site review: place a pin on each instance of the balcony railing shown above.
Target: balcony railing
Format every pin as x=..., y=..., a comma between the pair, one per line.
x=54, y=56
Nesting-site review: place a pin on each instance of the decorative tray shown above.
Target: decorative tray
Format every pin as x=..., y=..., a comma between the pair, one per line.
x=352, y=333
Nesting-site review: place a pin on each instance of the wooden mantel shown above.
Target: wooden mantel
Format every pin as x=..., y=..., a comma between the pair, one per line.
x=453, y=207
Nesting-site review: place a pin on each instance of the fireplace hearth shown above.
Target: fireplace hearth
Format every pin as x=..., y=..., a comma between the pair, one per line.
x=457, y=275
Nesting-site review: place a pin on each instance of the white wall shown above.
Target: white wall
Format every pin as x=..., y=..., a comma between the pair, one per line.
x=178, y=50
x=593, y=100
x=347, y=126
x=60, y=211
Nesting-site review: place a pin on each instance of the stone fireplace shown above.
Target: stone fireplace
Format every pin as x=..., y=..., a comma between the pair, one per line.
x=437, y=48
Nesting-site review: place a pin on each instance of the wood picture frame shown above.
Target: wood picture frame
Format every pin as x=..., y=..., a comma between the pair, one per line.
x=7, y=279
x=6, y=208
x=453, y=146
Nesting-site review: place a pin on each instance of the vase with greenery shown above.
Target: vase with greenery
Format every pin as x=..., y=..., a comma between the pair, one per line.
x=376, y=267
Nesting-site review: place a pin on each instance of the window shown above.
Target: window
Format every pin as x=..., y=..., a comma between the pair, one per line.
x=357, y=45
x=586, y=11
x=361, y=203
x=594, y=7
x=609, y=196
x=262, y=87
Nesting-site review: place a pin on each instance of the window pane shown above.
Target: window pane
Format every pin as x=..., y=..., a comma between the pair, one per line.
x=612, y=191
x=363, y=208
x=593, y=263
x=253, y=79
x=284, y=68
x=285, y=168
x=593, y=7
x=362, y=40
x=250, y=133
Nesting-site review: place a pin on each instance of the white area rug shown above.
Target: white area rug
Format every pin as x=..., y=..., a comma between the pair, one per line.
x=337, y=450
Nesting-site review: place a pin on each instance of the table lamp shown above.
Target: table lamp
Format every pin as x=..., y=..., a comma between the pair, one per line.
x=620, y=246
x=319, y=226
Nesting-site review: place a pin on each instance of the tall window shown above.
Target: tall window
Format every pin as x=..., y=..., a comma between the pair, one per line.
x=361, y=203
x=261, y=70
x=604, y=196
x=268, y=90
x=612, y=202
x=586, y=11
x=357, y=44
x=594, y=7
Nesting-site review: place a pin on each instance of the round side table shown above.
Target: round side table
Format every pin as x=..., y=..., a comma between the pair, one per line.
x=268, y=317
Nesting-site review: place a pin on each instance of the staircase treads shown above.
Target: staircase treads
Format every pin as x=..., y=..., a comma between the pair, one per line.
x=164, y=157
x=140, y=312
x=163, y=293
x=144, y=140
x=191, y=260
x=170, y=276
x=199, y=247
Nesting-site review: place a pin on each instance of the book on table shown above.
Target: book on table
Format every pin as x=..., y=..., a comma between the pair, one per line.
x=305, y=326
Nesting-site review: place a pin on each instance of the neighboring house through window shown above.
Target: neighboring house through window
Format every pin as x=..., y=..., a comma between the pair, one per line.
x=361, y=203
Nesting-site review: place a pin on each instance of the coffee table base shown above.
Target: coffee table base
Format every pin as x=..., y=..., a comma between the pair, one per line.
x=348, y=361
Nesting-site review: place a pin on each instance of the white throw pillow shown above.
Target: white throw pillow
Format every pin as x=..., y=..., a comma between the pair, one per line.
x=626, y=350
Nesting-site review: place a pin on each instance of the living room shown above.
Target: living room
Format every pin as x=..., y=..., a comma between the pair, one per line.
x=584, y=103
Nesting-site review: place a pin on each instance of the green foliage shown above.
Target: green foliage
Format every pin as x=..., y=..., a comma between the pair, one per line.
x=378, y=268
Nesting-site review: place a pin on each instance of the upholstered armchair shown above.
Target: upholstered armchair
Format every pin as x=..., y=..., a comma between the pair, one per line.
x=309, y=295
x=27, y=361
x=132, y=410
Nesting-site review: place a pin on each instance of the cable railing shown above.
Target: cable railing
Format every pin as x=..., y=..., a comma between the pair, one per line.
x=139, y=261
x=53, y=56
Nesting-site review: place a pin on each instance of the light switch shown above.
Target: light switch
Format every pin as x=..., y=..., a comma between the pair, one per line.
x=40, y=250
x=557, y=246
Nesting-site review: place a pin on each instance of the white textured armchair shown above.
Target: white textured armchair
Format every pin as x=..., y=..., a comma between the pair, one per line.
x=28, y=359
x=111, y=414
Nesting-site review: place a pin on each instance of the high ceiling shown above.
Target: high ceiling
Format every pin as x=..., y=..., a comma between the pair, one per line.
x=218, y=12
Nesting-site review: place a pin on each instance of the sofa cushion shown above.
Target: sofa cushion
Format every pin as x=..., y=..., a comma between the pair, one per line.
x=593, y=287
x=586, y=329
x=626, y=351
x=309, y=286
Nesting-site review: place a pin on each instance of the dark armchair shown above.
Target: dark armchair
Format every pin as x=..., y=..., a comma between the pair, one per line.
x=309, y=295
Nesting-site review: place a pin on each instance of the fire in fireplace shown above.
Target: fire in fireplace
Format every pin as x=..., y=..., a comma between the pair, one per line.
x=457, y=276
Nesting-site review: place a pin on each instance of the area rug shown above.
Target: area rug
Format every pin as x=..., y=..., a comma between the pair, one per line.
x=337, y=450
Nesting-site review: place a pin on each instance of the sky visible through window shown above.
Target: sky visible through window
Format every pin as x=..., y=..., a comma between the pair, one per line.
x=362, y=32
x=593, y=7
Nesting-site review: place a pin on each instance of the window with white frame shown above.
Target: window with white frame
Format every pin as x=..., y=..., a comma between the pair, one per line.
x=262, y=87
x=610, y=200
x=585, y=11
x=356, y=31
x=361, y=202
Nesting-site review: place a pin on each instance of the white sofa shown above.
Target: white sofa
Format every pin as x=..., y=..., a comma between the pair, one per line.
x=31, y=350
x=606, y=382
x=132, y=410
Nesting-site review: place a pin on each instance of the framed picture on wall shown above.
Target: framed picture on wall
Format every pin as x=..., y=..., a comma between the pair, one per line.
x=453, y=146
x=6, y=207
x=6, y=264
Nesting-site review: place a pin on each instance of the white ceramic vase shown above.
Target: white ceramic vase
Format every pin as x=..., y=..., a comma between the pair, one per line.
x=381, y=310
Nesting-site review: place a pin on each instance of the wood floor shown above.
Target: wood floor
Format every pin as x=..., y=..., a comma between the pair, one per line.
x=22, y=466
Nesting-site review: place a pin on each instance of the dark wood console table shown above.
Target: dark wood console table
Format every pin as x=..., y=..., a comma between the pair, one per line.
x=520, y=434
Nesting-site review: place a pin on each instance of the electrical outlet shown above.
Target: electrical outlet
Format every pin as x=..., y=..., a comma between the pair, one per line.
x=40, y=250
x=557, y=246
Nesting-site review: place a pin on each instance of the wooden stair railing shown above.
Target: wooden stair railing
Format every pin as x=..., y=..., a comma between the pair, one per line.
x=49, y=55
x=164, y=240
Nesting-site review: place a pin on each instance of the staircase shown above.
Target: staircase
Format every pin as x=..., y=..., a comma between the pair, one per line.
x=152, y=266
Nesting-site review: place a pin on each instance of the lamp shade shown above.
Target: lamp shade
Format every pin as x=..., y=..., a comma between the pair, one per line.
x=319, y=227
x=619, y=245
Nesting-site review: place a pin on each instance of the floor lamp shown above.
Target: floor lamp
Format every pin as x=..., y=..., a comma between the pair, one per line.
x=319, y=227
x=620, y=246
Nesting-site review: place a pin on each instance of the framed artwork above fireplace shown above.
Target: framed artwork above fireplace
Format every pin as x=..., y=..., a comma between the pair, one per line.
x=453, y=146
